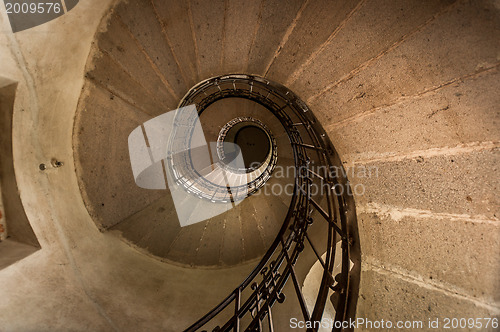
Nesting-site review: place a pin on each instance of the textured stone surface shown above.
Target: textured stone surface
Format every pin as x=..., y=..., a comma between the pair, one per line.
x=142, y=21
x=276, y=18
x=183, y=249
x=269, y=211
x=123, y=48
x=210, y=247
x=253, y=241
x=153, y=228
x=209, y=32
x=389, y=297
x=310, y=31
x=241, y=20
x=461, y=113
x=176, y=20
x=363, y=37
x=110, y=76
x=461, y=42
x=460, y=184
x=102, y=156
x=465, y=251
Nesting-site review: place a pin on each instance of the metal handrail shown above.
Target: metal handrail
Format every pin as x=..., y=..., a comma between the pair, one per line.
x=247, y=121
x=186, y=175
x=310, y=144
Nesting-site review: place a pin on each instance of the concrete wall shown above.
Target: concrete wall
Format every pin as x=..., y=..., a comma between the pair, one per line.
x=19, y=226
x=409, y=87
x=81, y=279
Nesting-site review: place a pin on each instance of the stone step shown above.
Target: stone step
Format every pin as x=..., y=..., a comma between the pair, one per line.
x=310, y=31
x=338, y=57
x=153, y=228
x=240, y=20
x=175, y=18
x=216, y=176
x=210, y=246
x=270, y=213
x=208, y=24
x=109, y=75
x=232, y=251
x=142, y=21
x=124, y=49
x=276, y=18
x=186, y=244
x=253, y=242
x=103, y=128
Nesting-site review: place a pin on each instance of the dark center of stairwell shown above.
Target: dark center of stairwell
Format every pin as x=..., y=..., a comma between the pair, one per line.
x=254, y=144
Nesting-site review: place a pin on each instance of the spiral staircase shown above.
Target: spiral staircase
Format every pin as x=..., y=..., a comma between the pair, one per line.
x=406, y=90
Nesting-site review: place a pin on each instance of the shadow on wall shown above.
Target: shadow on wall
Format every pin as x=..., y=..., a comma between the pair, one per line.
x=17, y=237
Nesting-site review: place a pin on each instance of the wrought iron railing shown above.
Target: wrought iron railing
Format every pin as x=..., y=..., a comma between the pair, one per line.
x=325, y=216
x=193, y=181
x=237, y=123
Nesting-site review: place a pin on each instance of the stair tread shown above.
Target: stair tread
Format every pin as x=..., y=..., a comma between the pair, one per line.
x=123, y=49
x=174, y=15
x=109, y=74
x=253, y=243
x=184, y=247
x=152, y=228
x=270, y=212
x=208, y=252
x=232, y=243
x=143, y=24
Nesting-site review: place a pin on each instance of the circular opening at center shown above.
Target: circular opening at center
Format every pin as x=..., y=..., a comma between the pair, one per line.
x=254, y=145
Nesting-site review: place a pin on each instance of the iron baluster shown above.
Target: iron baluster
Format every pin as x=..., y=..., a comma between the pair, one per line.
x=307, y=139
